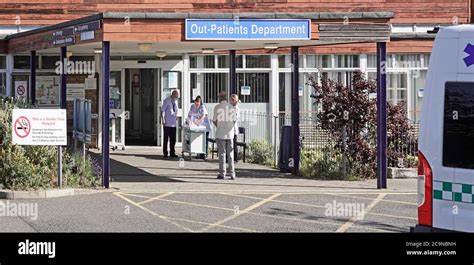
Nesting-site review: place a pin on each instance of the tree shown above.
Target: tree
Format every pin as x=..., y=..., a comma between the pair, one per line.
x=348, y=114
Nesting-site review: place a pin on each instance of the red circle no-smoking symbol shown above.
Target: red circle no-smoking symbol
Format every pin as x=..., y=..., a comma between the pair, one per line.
x=22, y=127
x=20, y=90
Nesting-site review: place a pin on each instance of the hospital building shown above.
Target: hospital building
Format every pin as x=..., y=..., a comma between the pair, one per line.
x=152, y=47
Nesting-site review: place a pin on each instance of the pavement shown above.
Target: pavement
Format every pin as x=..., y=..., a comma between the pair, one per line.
x=152, y=194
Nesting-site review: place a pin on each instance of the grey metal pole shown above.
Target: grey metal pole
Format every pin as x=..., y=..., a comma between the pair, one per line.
x=63, y=82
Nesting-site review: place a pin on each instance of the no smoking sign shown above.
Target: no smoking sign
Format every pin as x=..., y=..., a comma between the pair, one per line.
x=39, y=127
x=22, y=127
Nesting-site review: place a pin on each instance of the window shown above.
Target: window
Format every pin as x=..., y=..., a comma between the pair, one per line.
x=257, y=61
x=318, y=61
x=193, y=62
x=347, y=61
x=222, y=61
x=3, y=90
x=49, y=62
x=281, y=91
x=259, y=87
x=397, y=87
x=240, y=61
x=209, y=61
x=3, y=62
x=23, y=62
x=371, y=61
x=458, y=130
x=213, y=83
x=281, y=61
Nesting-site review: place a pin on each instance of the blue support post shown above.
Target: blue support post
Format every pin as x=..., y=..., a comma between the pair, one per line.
x=105, y=113
x=63, y=77
x=381, y=115
x=33, y=77
x=295, y=114
x=232, y=73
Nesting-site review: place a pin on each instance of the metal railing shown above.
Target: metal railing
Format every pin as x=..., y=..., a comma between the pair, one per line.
x=326, y=141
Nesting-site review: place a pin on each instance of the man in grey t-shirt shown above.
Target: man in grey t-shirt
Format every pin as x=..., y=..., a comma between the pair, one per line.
x=224, y=120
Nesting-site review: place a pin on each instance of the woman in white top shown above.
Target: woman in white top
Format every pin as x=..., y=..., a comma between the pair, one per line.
x=199, y=116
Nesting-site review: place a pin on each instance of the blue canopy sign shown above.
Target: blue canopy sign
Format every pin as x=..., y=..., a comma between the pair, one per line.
x=248, y=29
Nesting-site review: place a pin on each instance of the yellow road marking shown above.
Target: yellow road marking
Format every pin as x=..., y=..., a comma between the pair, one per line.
x=246, y=211
x=136, y=195
x=206, y=223
x=156, y=198
x=401, y=202
x=319, y=192
x=318, y=206
x=151, y=212
x=198, y=205
x=239, y=213
x=167, y=218
x=354, y=219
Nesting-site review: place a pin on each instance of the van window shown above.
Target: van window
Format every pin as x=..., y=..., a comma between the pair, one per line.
x=458, y=131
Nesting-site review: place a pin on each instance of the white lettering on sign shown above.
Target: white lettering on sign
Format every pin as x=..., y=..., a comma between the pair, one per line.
x=39, y=127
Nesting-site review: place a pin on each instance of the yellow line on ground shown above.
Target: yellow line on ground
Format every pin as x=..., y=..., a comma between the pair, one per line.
x=197, y=205
x=365, y=198
x=264, y=215
x=318, y=206
x=156, y=198
x=136, y=195
x=267, y=192
x=354, y=219
x=185, y=220
x=206, y=223
x=151, y=212
x=241, y=195
x=310, y=221
x=239, y=213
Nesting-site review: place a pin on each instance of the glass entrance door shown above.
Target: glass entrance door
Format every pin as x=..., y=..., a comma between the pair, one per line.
x=171, y=80
x=141, y=101
x=117, y=114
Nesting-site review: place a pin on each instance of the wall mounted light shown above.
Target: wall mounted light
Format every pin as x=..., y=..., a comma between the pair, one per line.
x=144, y=47
x=97, y=51
x=160, y=54
x=207, y=50
x=270, y=46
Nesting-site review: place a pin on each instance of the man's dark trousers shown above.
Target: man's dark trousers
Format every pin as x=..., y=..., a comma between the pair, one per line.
x=169, y=132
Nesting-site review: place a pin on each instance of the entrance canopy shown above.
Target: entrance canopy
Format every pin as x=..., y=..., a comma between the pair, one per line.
x=167, y=30
x=186, y=33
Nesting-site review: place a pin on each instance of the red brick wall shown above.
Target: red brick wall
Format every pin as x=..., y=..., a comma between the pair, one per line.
x=406, y=11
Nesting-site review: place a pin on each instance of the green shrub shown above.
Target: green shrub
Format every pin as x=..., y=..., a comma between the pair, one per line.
x=411, y=161
x=35, y=167
x=321, y=164
x=260, y=152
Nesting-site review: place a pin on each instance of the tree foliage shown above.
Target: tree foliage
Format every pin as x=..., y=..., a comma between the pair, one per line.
x=348, y=114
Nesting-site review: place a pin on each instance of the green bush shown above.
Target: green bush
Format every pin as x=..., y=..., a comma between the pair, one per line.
x=411, y=161
x=260, y=152
x=321, y=164
x=35, y=167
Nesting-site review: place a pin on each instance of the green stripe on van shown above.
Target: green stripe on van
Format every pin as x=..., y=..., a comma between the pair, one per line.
x=451, y=191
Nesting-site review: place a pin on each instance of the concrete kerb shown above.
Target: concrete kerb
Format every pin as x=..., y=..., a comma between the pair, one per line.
x=51, y=193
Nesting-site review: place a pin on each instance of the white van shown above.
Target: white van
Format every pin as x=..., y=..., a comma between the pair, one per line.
x=446, y=141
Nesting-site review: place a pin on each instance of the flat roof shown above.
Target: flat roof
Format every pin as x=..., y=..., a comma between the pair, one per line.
x=178, y=16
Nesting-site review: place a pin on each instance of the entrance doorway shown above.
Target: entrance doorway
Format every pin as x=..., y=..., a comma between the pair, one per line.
x=142, y=90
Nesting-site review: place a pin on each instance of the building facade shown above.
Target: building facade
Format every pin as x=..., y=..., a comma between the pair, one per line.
x=144, y=73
